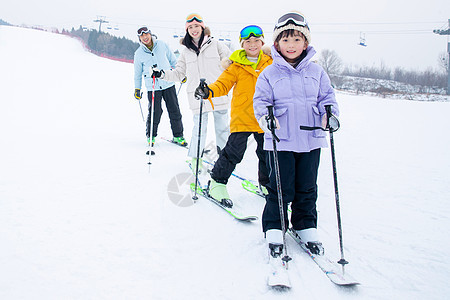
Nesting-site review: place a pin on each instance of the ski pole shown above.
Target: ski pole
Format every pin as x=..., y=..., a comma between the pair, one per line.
x=342, y=261
x=275, y=139
x=142, y=113
x=152, y=119
x=203, y=84
x=182, y=81
x=332, y=129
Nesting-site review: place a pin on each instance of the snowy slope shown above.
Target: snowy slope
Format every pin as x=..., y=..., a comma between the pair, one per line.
x=83, y=217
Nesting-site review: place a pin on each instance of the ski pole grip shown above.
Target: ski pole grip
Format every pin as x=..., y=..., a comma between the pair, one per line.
x=272, y=122
x=328, y=110
x=154, y=78
x=270, y=112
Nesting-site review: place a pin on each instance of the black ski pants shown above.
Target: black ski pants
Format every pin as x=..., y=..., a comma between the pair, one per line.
x=171, y=99
x=232, y=154
x=298, y=172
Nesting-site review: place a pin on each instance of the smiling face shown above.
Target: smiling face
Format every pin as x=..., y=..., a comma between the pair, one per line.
x=146, y=39
x=195, y=30
x=252, y=46
x=291, y=46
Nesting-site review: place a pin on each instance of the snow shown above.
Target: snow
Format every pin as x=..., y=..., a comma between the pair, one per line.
x=82, y=216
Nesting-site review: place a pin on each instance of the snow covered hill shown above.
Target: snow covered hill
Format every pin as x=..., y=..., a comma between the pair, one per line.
x=83, y=217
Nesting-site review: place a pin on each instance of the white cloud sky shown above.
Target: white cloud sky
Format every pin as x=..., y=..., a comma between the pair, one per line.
x=397, y=32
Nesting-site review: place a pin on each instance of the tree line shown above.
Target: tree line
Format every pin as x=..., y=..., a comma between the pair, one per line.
x=427, y=81
x=4, y=23
x=105, y=43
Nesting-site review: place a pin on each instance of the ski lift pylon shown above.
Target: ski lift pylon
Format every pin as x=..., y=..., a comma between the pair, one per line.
x=362, y=39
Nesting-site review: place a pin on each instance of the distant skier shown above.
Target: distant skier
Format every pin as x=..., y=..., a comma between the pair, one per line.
x=153, y=52
x=244, y=68
x=201, y=58
x=298, y=89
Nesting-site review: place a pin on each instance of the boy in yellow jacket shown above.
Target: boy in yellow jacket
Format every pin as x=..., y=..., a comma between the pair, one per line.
x=245, y=65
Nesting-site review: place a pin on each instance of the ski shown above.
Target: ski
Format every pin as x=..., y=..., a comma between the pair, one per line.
x=333, y=270
x=278, y=276
x=253, y=187
x=233, y=211
x=205, y=151
x=279, y=280
x=171, y=141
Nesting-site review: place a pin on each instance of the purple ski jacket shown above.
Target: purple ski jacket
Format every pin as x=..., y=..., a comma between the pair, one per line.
x=298, y=96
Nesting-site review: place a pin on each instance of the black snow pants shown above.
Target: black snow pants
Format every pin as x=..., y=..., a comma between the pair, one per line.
x=232, y=154
x=298, y=172
x=171, y=99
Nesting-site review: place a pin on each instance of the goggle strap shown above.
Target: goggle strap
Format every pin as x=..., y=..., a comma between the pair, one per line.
x=250, y=35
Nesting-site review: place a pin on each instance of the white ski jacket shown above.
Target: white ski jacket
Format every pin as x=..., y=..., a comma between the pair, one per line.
x=206, y=65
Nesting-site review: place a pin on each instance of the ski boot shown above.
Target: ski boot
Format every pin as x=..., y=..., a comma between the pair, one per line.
x=194, y=165
x=153, y=141
x=218, y=191
x=311, y=240
x=180, y=141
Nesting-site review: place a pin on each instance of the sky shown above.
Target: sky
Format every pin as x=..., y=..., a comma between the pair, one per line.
x=396, y=34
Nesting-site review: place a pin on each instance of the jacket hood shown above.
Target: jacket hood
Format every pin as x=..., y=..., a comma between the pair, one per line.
x=279, y=60
x=240, y=56
x=145, y=48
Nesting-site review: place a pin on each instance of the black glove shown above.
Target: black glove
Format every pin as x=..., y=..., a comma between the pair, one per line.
x=137, y=94
x=157, y=73
x=202, y=91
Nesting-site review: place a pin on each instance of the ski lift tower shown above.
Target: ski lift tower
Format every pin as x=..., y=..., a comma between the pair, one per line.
x=446, y=32
x=362, y=39
x=101, y=20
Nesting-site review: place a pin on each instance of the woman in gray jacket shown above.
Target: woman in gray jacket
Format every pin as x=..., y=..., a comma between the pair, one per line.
x=201, y=58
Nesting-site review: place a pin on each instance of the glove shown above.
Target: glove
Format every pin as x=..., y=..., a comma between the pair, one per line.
x=333, y=122
x=202, y=92
x=157, y=73
x=266, y=125
x=137, y=94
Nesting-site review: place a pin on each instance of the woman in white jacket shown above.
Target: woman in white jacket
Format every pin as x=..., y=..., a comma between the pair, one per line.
x=201, y=58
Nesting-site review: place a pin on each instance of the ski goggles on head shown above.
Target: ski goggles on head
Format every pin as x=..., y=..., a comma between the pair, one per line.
x=250, y=30
x=292, y=17
x=193, y=17
x=143, y=30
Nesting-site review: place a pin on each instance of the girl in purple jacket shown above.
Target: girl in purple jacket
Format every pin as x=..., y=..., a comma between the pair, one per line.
x=298, y=89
